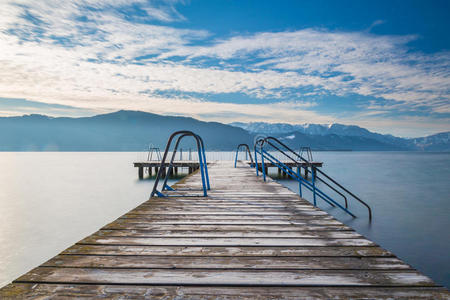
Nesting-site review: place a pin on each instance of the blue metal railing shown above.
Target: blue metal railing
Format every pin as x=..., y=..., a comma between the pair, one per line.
x=201, y=158
x=248, y=151
x=309, y=185
x=303, y=163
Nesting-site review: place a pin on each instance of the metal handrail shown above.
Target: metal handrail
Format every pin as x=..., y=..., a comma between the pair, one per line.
x=296, y=176
x=314, y=170
x=201, y=157
x=310, y=186
x=169, y=169
x=308, y=152
x=204, y=161
x=249, y=154
x=335, y=190
x=324, y=174
x=260, y=143
x=152, y=149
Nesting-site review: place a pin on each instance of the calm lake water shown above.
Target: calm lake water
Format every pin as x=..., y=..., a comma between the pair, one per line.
x=50, y=200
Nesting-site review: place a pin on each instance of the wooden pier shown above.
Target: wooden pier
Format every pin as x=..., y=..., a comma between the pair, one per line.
x=248, y=239
x=293, y=165
x=153, y=166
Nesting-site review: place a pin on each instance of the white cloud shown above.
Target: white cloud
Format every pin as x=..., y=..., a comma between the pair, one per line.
x=103, y=63
x=402, y=126
x=361, y=63
x=97, y=59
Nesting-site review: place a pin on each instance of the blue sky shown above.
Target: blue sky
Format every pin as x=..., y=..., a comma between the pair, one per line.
x=383, y=65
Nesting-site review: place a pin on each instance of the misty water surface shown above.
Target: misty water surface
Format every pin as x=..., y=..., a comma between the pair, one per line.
x=50, y=200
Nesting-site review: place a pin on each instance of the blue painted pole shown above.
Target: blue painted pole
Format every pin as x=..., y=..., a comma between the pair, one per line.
x=313, y=175
x=299, y=181
x=262, y=164
x=235, y=159
x=202, y=171
x=256, y=162
x=206, y=169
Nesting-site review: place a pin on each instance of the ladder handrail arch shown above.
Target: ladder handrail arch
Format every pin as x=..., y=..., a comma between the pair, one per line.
x=201, y=156
x=248, y=151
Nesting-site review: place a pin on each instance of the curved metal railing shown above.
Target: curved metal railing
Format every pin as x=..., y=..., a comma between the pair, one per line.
x=201, y=157
x=293, y=156
x=248, y=151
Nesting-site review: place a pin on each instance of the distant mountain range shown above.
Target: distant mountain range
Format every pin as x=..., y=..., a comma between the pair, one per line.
x=313, y=129
x=134, y=131
x=339, y=137
x=119, y=131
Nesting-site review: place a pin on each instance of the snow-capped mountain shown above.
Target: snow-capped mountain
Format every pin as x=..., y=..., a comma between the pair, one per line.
x=131, y=131
x=314, y=129
x=279, y=128
x=437, y=142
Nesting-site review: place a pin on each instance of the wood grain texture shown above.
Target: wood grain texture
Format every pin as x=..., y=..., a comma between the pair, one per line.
x=226, y=277
x=81, y=291
x=98, y=249
x=229, y=262
x=233, y=234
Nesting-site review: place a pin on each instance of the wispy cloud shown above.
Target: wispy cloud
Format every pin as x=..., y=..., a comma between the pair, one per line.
x=342, y=62
x=18, y=107
x=118, y=54
x=375, y=24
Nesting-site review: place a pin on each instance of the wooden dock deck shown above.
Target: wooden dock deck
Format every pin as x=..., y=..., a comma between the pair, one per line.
x=246, y=240
x=153, y=165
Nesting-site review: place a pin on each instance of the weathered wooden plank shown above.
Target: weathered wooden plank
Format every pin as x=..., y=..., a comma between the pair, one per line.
x=220, y=262
x=240, y=234
x=231, y=203
x=229, y=199
x=237, y=222
x=224, y=217
x=127, y=224
x=233, y=200
x=244, y=210
x=223, y=214
x=68, y=291
x=239, y=207
x=227, y=277
x=261, y=198
x=203, y=213
x=211, y=199
x=334, y=251
x=230, y=193
x=285, y=242
x=251, y=189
